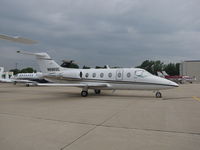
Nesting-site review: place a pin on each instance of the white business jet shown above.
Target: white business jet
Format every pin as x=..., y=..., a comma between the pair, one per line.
x=99, y=79
x=28, y=78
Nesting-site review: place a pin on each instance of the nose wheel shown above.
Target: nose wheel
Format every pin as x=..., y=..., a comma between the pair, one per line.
x=158, y=95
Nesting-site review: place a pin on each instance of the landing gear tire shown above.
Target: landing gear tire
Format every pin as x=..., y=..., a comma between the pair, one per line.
x=84, y=93
x=27, y=85
x=158, y=95
x=97, y=91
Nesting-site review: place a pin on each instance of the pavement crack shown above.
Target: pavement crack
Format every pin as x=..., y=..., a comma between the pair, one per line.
x=78, y=138
x=156, y=130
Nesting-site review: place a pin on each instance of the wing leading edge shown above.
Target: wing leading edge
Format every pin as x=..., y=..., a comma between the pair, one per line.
x=89, y=85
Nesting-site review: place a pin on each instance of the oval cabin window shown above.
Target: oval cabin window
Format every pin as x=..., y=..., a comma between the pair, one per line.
x=110, y=75
x=94, y=75
x=101, y=75
x=87, y=75
x=129, y=75
x=119, y=75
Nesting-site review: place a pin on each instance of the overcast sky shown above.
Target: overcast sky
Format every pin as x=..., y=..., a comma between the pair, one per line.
x=98, y=32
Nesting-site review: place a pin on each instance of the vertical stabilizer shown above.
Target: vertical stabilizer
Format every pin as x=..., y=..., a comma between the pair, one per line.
x=160, y=74
x=46, y=64
x=164, y=73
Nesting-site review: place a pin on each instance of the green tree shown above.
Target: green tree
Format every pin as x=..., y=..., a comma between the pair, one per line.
x=152, y=66
x=15, y=71
x=172, y=69
x=99, y=67
x=27, y=70
x=73, y=65
x=86, y=67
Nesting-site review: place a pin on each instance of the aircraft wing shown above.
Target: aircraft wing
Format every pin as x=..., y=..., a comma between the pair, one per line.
x=5, y=81
x=22, y=81
x=89, y=85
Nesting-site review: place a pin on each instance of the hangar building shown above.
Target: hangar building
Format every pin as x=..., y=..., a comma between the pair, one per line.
x=190, y=68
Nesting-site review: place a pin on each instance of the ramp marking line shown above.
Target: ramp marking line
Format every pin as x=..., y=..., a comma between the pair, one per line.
x=196, y=98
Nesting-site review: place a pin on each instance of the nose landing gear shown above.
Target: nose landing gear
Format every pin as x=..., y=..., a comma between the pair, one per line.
x=158, y=95
x=84, y=93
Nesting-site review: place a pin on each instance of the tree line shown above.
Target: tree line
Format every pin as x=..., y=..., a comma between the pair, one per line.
x=154, y=66
x=24, y=70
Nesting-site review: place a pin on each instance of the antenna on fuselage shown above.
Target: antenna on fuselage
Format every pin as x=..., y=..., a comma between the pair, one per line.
x=107, y=66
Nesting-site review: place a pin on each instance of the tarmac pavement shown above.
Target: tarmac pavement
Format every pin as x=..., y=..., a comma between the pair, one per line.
x=54, y=118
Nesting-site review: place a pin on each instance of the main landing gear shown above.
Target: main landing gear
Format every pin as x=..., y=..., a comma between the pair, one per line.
x=84, y=92
x=158, y=94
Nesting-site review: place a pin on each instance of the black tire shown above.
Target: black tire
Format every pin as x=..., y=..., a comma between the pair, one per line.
x=84, y=93
x=97, y=91
x=27, y=85
x=158, y=95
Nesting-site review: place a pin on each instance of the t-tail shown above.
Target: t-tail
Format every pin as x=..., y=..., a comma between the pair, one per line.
x=46, y=64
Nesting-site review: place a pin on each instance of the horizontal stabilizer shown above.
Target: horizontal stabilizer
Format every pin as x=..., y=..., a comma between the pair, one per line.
x=30, y=53
x=17, y=39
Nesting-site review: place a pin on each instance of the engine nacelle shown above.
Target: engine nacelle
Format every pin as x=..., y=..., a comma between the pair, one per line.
x=72, y=74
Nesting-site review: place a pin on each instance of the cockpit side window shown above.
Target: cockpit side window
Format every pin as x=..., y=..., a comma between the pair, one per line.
x=139, y=73
x=142, y=73
x=146, y=73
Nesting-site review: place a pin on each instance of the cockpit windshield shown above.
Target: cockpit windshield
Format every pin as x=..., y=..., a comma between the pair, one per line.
x=142, y=73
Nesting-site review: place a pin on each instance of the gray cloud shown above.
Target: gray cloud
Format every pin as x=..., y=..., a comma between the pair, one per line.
x=98, y=32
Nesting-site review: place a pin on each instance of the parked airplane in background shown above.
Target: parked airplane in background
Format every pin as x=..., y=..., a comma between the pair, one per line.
x=8, y=77
x=99, y=79
x=176, y=78
x=29, y=78
x=5, y=76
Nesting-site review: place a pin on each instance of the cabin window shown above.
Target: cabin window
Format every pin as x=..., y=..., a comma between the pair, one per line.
x=110, y=75
x=119, y=75
x=128, y=74
x=94, y=75
x=87, y=75
x=142, y=73
x=101, y=75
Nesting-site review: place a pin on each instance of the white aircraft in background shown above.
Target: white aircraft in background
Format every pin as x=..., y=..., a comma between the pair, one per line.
x=99, y=79
x=5, y=76
x=8, y=77
x=28, y=78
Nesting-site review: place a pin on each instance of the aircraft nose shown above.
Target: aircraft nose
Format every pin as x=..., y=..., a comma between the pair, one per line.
x=173, y=84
